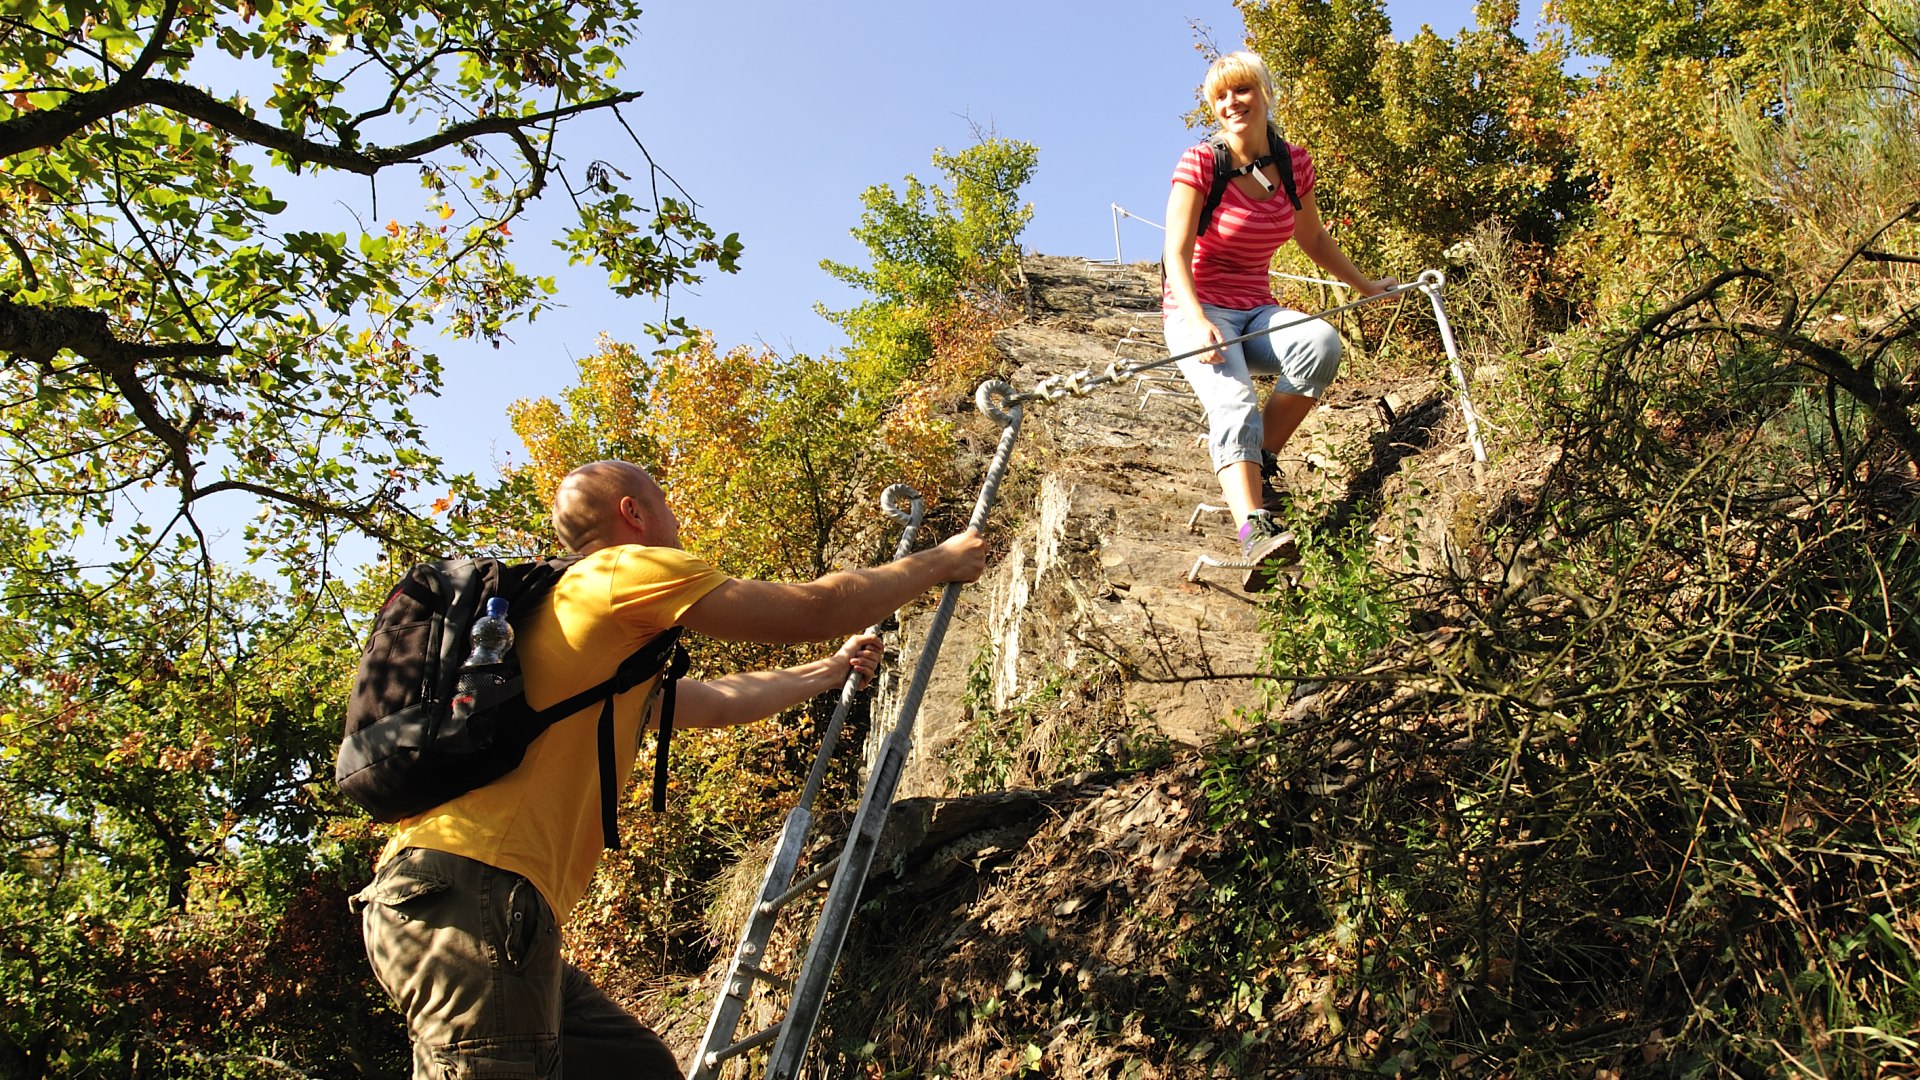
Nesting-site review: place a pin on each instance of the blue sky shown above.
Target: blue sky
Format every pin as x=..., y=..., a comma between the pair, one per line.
x=775, y=116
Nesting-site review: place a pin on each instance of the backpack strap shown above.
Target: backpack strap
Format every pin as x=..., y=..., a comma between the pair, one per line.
x=669, y=686
x=1222, y=174
x=1279, y=155
x=660, y=655
x=1283, y=159
x=609, y=805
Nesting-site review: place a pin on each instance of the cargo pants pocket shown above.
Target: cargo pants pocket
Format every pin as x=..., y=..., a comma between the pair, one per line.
x=470, y=953
x=396, y=920
x=511, y=1057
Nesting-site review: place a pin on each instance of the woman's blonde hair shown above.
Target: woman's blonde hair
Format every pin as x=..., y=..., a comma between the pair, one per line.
x=1236, y=70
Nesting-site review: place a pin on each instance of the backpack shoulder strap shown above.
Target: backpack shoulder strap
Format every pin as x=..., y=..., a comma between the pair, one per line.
x=1222, y=174
x=669, y=690
x=661, y=655
x=1283, y=160
x=523, y=584
x=647, y=661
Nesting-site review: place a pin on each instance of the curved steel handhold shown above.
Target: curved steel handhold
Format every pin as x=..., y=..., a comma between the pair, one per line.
x=992, y=399
x=910, y=514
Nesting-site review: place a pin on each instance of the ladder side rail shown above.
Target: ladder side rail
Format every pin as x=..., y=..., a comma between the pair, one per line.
x=737, y=985
x=830, y=933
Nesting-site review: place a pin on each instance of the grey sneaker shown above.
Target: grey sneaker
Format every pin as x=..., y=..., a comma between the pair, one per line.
x=1267, y=548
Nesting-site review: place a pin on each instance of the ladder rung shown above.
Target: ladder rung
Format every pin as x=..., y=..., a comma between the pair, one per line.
x=765, y=976
x=826, y=870
x=760, y=1038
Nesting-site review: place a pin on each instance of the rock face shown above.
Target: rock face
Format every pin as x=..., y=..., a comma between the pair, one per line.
x=1046, y=821
x=1091, y=601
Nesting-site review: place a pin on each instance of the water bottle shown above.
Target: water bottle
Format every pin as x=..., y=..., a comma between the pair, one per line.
x=491, y=636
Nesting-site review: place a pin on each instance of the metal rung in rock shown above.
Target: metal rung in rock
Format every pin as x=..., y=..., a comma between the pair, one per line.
x=1204, y=560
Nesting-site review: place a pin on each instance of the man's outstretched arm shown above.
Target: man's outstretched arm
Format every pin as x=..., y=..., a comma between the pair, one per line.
x=843, y=602
x=755, y=695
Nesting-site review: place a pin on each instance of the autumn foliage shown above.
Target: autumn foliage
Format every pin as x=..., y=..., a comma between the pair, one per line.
x=1684, y=249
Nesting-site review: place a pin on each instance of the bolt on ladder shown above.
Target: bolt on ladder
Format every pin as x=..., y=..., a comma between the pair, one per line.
x=808, y=989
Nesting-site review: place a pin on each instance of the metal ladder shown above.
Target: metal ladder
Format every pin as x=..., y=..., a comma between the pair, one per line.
x=808, y=990
x=778, y=889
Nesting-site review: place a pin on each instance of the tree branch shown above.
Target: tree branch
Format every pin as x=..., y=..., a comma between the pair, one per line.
x=160, y=264
x=162, y=29
x=1859, y=383
x=303, y=502
x=1652, y=324
x=38, y=332
x=147, y=410
x=1861, y=249
x=360, y=514
x=400, y=81
x=48, y=127
x=20, y=254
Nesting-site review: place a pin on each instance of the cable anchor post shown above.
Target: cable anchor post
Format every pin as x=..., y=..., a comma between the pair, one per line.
x=1432, y=283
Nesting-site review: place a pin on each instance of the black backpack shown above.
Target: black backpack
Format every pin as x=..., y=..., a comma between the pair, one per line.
x=1278, y=154
x=407, y=748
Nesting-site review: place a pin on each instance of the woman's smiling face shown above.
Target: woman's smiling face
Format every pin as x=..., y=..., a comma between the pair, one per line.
x=1238, y=107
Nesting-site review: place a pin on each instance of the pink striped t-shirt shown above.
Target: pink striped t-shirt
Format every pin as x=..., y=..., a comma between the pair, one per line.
x=1231, y=262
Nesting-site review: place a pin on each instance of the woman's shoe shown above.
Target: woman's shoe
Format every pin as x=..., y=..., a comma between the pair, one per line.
x=1267, y=548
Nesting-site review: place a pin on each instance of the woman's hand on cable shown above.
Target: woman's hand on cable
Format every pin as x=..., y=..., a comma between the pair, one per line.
x=1376, y=286
x=862, y=653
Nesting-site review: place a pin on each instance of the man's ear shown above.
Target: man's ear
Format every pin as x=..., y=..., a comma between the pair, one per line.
x=636, y=516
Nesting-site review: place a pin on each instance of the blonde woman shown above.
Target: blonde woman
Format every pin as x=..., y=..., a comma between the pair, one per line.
x=1218, y=287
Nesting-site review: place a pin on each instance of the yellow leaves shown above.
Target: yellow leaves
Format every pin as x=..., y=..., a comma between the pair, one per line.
x=129, y=746
x=604, y=416
x=921, y=440
x=446, y=211
x=198, y=757
x=393, y=228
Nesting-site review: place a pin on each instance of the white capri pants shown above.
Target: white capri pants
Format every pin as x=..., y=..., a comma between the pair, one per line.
x=1303, y=359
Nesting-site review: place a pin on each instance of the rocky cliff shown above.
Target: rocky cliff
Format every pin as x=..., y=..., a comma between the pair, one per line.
x=1049, y=834
x=1090, y=612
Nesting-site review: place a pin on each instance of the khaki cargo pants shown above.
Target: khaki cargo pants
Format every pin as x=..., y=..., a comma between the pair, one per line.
x=471, y=955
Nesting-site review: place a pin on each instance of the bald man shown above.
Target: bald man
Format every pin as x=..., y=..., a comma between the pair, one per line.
x=462, y=920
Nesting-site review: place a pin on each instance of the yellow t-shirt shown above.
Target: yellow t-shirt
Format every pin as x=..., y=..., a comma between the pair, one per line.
x=542, y=820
